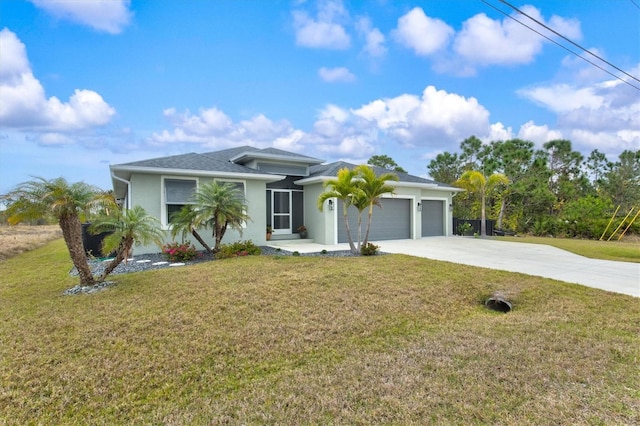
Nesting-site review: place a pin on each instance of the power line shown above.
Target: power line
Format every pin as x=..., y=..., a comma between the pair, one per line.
x=567, y=39
x=635, y=4
x=562, y=46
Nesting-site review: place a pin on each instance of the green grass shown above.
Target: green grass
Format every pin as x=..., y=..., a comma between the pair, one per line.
x=299, y=340
x=623, y=251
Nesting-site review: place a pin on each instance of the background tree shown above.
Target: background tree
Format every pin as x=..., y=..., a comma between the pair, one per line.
x=475, y=182
x=185, y=221
x=219, y=206
x=342, y=188
x=132, y=226
x=385, y=162
x=622, y=181
x=445, y=168
x=65, y=202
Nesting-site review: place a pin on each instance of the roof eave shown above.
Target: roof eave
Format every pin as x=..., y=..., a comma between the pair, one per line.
x=247, y=156
x=128, y=170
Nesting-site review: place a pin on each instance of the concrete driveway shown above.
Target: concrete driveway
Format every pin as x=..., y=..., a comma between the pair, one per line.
x=532, y=259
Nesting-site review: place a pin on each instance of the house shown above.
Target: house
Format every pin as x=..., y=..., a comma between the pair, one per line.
x=281, y=189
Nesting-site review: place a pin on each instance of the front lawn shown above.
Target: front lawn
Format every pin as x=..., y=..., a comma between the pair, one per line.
x=312, y=340
x=623, y=251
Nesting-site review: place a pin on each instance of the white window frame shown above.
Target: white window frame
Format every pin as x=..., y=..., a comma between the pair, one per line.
x=164, y=220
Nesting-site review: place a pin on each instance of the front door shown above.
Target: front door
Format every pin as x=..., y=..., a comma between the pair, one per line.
x=281, y=211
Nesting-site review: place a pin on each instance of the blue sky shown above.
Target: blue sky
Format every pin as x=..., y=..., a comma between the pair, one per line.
x=85, y=84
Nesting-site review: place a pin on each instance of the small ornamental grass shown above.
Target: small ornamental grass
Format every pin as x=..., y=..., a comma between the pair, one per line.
x=237, y=249
x=177, y=252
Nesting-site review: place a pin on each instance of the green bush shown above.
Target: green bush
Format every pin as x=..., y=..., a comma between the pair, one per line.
x=585, y=218
x=176, y=252
x=369, y=250
x=239, y=248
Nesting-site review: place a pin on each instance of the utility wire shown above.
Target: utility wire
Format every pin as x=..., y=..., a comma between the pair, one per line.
x=567, y=39
x=635, y=4
x=562, y=46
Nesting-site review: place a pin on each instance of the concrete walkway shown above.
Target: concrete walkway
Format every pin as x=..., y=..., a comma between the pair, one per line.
x=532, y=259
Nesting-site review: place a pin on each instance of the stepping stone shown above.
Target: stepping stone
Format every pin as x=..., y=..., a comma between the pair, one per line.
x=160, y=263
x=143, y=261
x=177, y=264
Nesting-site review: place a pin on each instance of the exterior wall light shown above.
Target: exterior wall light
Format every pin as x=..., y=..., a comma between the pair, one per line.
x=331, y=205
x=419, y=207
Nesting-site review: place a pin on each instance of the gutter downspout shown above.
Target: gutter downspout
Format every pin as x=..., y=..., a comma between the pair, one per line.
x=128, y=183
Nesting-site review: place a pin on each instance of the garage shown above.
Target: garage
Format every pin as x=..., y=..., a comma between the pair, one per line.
x=391, y=222
x=433, y=218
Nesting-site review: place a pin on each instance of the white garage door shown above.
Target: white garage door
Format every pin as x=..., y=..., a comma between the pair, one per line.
x=432, y=218
x=391, y=222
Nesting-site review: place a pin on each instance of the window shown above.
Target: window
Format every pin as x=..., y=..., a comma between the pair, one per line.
x=238, y=186
x=177, y=193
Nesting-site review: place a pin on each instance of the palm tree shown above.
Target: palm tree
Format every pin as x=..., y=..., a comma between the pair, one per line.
x=221, y=206
x=184, y=221
x=344, y=189
x=475, y=182
x=372, y=188
x=126, y=228
x=40, y=197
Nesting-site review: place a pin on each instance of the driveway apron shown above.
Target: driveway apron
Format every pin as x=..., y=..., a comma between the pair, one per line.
x=532, y=259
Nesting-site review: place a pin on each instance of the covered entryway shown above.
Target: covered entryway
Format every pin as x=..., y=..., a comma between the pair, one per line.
x=433, y=218
x=391, y=222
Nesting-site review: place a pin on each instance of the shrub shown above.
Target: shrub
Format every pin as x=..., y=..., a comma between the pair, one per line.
x=464, y=228
x=586, y=217
x=369, y=250
x=239, y=248
x=176, y=252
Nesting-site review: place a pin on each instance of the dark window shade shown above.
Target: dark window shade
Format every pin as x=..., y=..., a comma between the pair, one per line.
x=179, y=191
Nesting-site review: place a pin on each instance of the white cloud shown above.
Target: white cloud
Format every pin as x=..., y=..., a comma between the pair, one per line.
x=421, y=33
x=23, y=102
x=485, y=41
x=562, y=98
x=336, y=75
x=601, y=114
x=374, y=39
x=539, y=134
x=326, y=30
x=498, y=132
x=212, y=128
x=109, y=16
x=435, y=118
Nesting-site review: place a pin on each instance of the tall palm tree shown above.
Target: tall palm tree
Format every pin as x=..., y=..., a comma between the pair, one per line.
x=475, y=182
x=344, y=189
x=133, y=226
x=66, y=203
x=220, y=206
x=372, y=188
x=185, y=221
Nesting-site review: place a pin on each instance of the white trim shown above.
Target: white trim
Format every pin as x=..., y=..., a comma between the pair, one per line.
x=257, y=155
x=197, y=173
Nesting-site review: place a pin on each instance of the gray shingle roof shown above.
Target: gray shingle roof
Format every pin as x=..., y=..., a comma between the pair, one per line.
x=216, y=161
x=331, y=169
x=220, y=161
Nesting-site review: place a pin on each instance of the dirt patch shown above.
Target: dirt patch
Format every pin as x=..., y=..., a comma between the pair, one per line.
x=21, y=238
